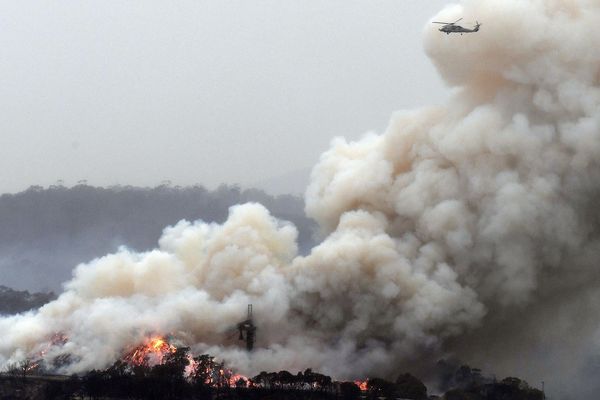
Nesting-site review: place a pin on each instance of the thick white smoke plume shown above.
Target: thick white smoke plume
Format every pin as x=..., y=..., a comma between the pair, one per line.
x=469, y=229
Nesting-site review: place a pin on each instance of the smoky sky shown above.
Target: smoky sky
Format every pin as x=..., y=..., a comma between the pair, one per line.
x=137, y=92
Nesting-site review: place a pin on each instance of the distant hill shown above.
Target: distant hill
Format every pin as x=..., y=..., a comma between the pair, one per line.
x=13, y=301
x=45, y=232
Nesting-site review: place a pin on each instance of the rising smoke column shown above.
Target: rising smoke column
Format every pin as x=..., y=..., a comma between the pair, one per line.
x=468, y=229
x=499, y=186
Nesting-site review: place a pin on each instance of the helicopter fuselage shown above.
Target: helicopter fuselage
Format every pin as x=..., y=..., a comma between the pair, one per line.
x=451, y=28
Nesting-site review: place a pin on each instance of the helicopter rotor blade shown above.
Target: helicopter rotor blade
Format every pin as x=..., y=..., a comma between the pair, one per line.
x=457, y=20
x=445, y=23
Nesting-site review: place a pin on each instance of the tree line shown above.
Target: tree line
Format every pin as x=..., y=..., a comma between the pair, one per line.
x=46, y=232
x=181, y=376
x=17, y=301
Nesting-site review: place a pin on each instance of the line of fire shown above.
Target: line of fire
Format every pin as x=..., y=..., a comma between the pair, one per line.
x=157, y=369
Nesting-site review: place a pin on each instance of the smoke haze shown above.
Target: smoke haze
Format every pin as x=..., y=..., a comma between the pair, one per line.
x=469, y=230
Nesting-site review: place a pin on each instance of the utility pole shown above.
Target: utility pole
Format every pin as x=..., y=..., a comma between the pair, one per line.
x=248, y=330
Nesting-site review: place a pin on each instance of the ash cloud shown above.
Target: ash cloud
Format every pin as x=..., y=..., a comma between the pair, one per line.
x=469, y=229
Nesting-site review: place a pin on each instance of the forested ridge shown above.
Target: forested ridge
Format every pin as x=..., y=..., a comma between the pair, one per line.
x=45, y=232
x=17, y=301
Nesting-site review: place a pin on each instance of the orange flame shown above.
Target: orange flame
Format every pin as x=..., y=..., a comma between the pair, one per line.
x=362, y=385
x=238, y=380
x=57, y=339
x=191, y=367
x=152, y=352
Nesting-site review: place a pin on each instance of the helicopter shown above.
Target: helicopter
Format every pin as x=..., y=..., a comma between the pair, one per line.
x=451, y=27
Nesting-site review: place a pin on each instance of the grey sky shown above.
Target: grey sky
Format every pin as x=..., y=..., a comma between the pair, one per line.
x=136, y=92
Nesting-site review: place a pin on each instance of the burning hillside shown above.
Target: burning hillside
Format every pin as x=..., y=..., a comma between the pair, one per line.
x=157, y=369
x=152, y=352
x=157, y=351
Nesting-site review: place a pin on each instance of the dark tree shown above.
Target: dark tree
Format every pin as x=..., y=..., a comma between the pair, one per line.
x=174, y=363
x=284, y=380
x=460, y=394
x=93, y=384
x=14, y=301
x=168, y=378
x=204, y=372
x=316, y=381
x=118, y=377
x=409, y=387
x=508, y=389
x=378, y=387
x=349, y=391
x=264, y=379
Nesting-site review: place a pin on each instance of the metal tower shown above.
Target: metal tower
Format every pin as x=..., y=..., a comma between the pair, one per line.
x=248, y=330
